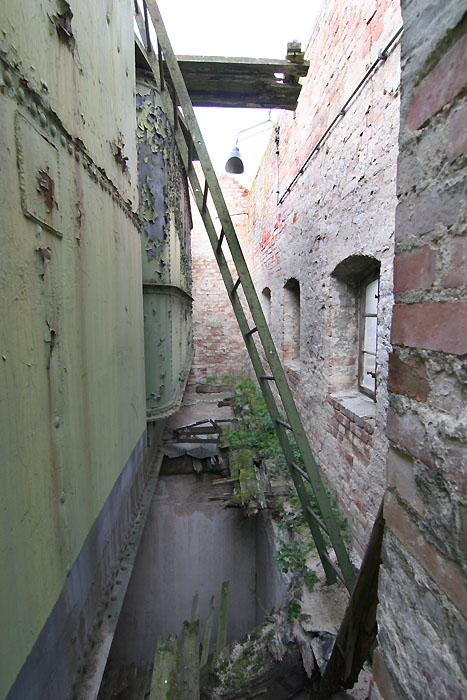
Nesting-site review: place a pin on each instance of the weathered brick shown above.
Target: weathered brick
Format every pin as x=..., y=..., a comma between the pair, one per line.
x=408, y=432
x=439, y=326
x=457, y=133
x=419, y=213
x=455, y=274
x=383, y=678
x=400, y=474
x=407, y=377
x=415, y=270
x=440, y=86
x=445, y=573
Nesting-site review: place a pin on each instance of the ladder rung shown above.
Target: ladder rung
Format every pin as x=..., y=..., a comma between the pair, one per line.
x=283, y=423
x=251, y=331
x=267, y=377
x=190, y=152
x=235, y=287
x=311, y=512
x=146, y=26
x=161, y=66
x=300, y=471
x=175, y=105
x=326, y=556
x=219, y=242
x=205, y=196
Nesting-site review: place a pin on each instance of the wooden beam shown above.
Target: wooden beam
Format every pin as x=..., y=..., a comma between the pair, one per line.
x=219, y=81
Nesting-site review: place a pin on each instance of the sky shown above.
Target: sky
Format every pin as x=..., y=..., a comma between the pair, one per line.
x=242, y=28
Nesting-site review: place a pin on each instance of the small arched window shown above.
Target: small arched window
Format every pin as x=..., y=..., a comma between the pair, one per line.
x=266, y=304
x=354, y=325
x=291, y=332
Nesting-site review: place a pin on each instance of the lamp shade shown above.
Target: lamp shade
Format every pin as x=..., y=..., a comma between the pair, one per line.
x=234, y=163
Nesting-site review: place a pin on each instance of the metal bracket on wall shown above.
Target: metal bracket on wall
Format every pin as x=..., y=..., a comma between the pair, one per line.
x=187, y=132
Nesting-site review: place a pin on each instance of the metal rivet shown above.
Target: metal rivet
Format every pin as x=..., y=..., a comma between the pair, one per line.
x=7, y=78
x=62, y=497
x=77, y=157
x=53, y=130
x=70, y=149
x=42, y=118
x=32, y=108
x=63, y=140
x=20, y=95
x=57, y=421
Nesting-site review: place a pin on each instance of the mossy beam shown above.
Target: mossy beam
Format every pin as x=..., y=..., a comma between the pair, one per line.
x=164, y=685
x=207, y=635
x=256, y=311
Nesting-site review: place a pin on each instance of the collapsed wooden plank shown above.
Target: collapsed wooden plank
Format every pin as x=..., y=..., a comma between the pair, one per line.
x=164, y=681
x=189, y=662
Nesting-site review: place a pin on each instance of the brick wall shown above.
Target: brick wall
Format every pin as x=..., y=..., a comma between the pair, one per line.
x=219, y=346
x=423, y=603
x=336, y=224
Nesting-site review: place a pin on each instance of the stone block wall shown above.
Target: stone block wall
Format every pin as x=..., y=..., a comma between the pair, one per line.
x=332, y=227
x=219, y=346
x=423, y=602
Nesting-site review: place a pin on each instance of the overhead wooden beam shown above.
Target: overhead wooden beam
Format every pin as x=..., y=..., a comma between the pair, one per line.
x=220, y=81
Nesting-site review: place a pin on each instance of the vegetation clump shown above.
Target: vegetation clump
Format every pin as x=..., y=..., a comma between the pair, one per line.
x=254, y=445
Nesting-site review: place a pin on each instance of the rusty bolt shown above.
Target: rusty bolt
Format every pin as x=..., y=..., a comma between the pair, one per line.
x=57, y=422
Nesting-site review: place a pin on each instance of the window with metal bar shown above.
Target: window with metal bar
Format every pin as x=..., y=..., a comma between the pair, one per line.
x=368, y=335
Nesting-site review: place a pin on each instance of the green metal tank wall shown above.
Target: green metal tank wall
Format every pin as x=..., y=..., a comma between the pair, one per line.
x=166, y=254
x=72, y=389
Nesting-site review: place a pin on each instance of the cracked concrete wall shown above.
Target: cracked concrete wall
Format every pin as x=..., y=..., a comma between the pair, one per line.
x=423, y=609
x=334, y=226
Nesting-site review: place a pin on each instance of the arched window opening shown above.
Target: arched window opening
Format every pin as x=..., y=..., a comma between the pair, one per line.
x=266, y=304
x=291, y=332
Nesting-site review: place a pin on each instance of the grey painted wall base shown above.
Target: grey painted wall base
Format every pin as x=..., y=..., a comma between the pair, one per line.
x=191, y=545
x=58, y=657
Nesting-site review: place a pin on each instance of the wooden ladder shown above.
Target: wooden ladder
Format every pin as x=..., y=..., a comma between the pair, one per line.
x=191, y=146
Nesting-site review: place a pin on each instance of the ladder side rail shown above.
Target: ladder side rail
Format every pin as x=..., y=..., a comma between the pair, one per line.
x=250, y=293
x=259, y=370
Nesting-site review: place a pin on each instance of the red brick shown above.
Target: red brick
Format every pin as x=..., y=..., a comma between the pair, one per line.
x=438, y=326
x=456, y=274
x=440, y=86
x=457, y=133
x=382, y=677
x=407, y=377
x=444, y=572
x=408, y=432
x=415, y=270
x=457, y=466
x=400, y=475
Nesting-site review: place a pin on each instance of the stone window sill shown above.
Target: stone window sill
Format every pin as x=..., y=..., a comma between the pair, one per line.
x=356, y=407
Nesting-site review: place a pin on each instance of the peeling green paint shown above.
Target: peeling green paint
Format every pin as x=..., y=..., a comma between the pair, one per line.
x=166, y=224
x=72, y=375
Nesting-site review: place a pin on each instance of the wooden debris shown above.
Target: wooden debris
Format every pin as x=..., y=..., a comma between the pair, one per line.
x=164, y=684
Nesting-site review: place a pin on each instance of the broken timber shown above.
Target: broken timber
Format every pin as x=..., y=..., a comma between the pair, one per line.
x=219, y=81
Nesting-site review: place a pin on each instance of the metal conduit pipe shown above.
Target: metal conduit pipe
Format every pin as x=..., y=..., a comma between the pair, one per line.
x=382, y=56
